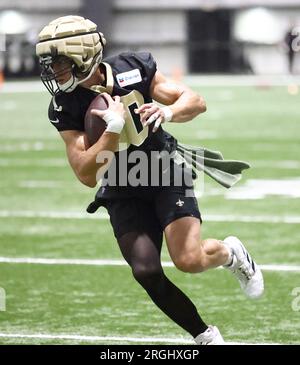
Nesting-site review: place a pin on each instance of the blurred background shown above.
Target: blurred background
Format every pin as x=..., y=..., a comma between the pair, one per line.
x=198, y=36
x=62, y=277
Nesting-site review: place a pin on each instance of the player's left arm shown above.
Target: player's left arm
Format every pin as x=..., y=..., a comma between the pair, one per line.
x=183, y=103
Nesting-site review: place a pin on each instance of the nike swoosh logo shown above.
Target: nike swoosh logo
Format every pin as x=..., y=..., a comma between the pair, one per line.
x=54, y=121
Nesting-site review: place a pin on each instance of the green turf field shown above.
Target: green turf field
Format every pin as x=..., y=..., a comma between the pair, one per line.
x=42, y=217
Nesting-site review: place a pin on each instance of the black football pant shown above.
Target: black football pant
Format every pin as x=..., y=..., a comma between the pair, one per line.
x=142, y=253
x=138, y=223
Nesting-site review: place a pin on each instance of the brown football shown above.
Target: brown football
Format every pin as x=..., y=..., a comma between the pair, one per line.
x=95, y=126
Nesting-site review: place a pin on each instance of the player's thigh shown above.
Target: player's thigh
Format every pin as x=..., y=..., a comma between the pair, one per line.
x=134, y=221
x=183, y=237
x=142, y=254
x=180, y=218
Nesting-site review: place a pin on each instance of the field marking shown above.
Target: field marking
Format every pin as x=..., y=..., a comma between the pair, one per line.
x=245, y=135
x=164, y=340
x=22, y=87
x=26, y=146
x=256, y=189
x=251, y=218
x=276, y=164
x=259, y=81
x=253, y=189
x=62, y=162
x=50, y=214
x=46, y=184
x=25, y=162
x=47, y=261
x=114, y=262
x=104, y=215
x=262, y=188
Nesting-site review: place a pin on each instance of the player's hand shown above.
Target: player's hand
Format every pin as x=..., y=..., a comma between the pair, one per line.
x=113, y=115
x=114, y=105
x=151, y=113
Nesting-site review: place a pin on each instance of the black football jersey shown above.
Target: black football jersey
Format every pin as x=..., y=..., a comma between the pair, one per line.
x=128, y=75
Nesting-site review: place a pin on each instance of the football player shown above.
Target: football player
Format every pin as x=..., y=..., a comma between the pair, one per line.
x=70, y=53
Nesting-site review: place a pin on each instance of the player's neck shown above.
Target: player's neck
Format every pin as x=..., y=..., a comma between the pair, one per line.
x=98, y=78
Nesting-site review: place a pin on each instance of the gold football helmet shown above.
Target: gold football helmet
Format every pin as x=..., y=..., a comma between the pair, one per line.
x=74, y=39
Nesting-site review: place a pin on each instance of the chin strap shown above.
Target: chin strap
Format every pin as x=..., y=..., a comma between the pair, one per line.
x=93, y=69
x=71, y=84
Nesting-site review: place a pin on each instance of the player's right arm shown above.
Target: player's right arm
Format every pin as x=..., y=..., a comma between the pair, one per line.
x=83, y=159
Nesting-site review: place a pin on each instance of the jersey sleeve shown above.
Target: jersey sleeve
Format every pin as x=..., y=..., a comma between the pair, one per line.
x=130, y=61
x=61, y=119
x=148, y=67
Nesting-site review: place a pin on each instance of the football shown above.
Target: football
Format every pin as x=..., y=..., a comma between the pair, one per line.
x=94, y=126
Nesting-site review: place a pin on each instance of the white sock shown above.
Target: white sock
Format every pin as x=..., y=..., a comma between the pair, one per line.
x=229, y=261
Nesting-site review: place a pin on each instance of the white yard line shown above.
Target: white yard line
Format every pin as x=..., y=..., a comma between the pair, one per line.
x=260, y=81
x=275, y=267
x=276, y=164
x=25, y=162
x=46, y=261
x=49, y=214
x=251, y=218
x=113, y=262
x=10, y=87
x=103, y=215
x=163, y=340
x=193, y=80
x=271, y=164
x=255, y=189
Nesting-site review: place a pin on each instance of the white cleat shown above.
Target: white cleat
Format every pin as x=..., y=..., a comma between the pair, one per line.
x=211, y=336
x=245, y=269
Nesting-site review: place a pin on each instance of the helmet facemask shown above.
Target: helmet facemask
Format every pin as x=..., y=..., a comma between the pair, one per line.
x=50, y=78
